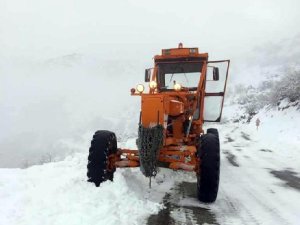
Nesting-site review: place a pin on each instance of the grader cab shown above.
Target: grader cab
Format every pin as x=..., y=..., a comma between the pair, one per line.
x=185, y=90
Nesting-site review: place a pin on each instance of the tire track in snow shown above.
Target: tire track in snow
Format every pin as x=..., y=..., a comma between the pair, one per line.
x=275, y=214
x=228, y=208
x=229, y=188
x=248, y=194
x=182, y=207
x=253, y=189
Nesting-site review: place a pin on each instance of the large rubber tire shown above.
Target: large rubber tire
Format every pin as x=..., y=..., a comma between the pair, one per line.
x=209, y=174
x=103, y=144
x=213, y=131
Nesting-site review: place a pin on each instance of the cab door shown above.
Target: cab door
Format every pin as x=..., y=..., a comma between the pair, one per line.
x=215, y=87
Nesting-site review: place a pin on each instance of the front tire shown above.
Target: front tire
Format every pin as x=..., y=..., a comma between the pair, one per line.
x=103, y=145
x=209, y=171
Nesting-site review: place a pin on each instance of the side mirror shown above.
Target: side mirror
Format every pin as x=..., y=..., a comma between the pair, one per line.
x=216, y=73
x=147, y=75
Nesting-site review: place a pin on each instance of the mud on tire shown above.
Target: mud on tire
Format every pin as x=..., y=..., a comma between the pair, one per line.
x=209, y=174
x=103, y=144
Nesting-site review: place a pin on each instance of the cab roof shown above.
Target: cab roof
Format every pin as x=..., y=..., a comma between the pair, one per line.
x=180, y=54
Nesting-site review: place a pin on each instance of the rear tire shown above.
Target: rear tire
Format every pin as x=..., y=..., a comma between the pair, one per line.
x=103, y=144
x=209, y=174
x=213, y=131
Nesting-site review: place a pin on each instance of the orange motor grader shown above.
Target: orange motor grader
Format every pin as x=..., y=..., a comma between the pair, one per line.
x=185, y=90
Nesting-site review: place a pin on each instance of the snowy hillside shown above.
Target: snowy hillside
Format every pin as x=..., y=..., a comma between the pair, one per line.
x=260, y=184
x=44, y=103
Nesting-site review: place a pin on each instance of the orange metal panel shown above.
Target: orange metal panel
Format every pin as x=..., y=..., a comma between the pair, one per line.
x=178, y=128
x=175, y=108
x=190, y=148
x=152, y=110
x=183, y=166
x=180, y=51
x=200, y=56
x=127, y=163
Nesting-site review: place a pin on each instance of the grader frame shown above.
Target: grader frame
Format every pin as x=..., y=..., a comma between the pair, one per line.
x=171, y=121
x=179, y=150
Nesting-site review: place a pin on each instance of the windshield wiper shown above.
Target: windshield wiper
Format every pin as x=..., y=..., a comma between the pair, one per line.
x=187, y=81
x=171, y=78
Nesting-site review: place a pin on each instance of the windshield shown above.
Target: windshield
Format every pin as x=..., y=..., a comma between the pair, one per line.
x=186, y=74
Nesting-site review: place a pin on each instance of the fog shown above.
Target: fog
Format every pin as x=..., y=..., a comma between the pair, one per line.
x=66, y=67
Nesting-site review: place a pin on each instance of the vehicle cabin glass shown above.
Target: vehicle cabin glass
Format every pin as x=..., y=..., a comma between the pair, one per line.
x=187, y=74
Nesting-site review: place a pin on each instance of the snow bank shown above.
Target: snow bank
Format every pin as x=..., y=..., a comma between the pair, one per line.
x=280, y=127
x=57, y=193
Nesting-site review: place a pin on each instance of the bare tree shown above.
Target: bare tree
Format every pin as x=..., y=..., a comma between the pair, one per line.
x=46, y=158
x=25, y=164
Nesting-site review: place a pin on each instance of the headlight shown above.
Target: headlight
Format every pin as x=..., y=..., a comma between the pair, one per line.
x=153, y=84
x=177, y=87
x=140, y=88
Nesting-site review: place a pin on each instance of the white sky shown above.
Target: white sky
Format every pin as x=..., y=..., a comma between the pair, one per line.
x=135, y=28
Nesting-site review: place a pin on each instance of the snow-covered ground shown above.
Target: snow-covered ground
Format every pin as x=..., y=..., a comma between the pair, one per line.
x=260, y=184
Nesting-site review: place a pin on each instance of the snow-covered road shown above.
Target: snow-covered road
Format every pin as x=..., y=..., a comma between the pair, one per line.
x=260, y=184
x=250, y=191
